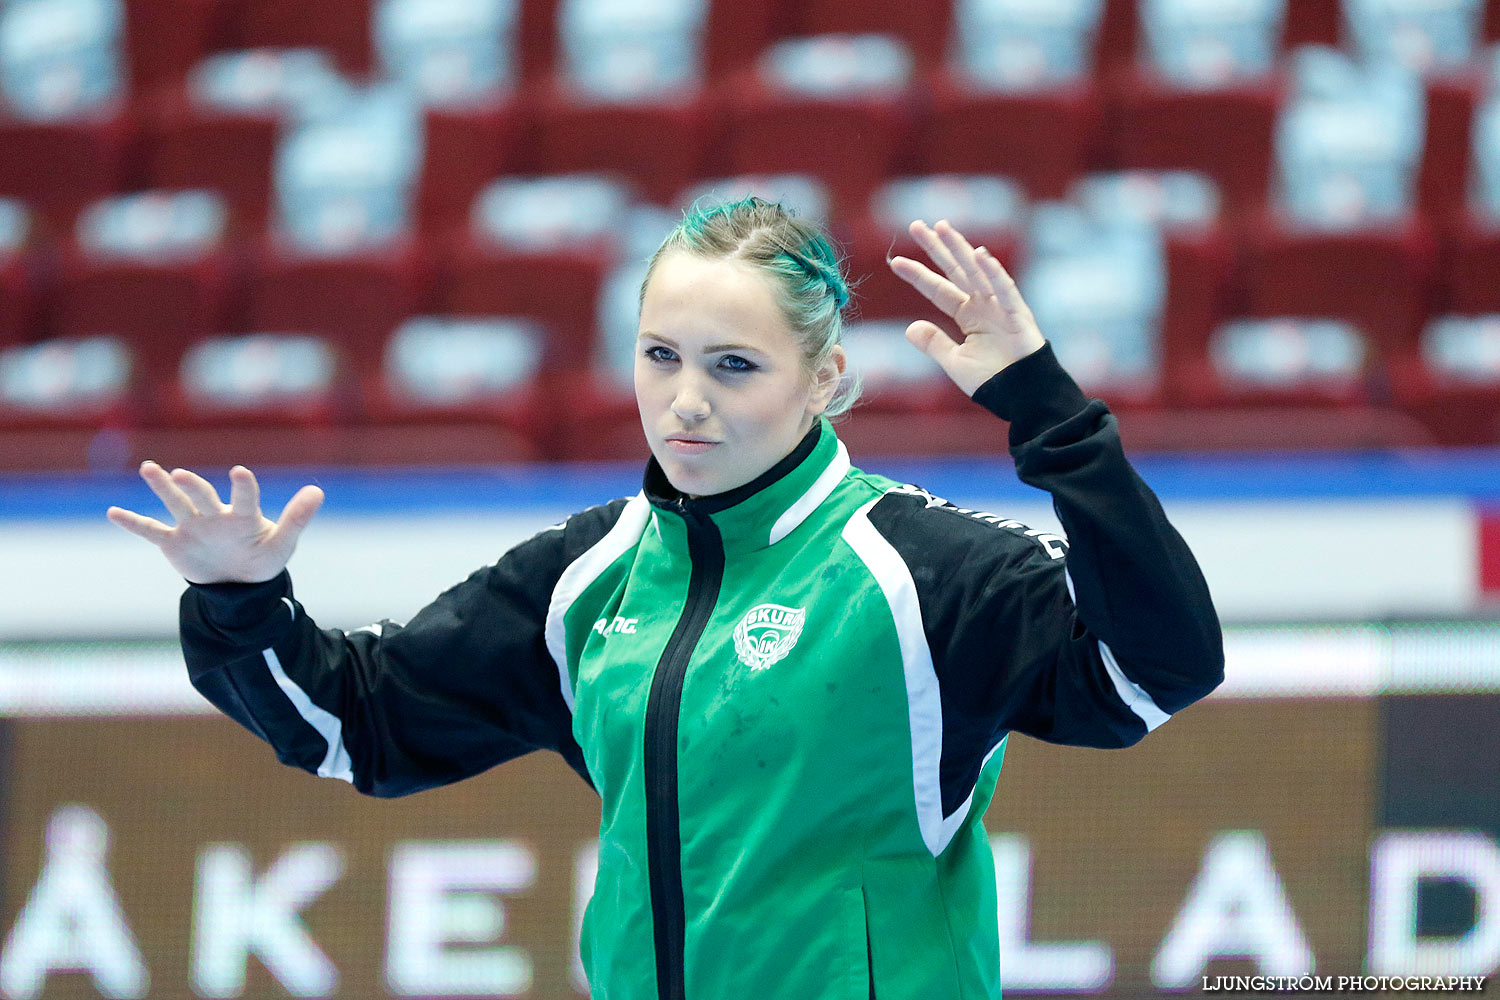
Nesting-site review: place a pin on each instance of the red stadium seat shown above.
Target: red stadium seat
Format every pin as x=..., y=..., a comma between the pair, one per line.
x=559, y=288
x=659, y=148
x=508, y=425
x=18, y=297
x=875, y=430
x=61, y=400
x=464, y=151
x=1199, y=266
x=536, y=39
x=1443, y=182
x=1312, y=22
x=1381, y=280
x=1457, y=413
x=1119, y=36
x=1202, y=383
x=736, y=33
x=1042, y=140
x=310, y=424
x=503, y=429
x=189, y=146
x=354, y=301
x=340, y=26
x=851, y=144
x=924, y=25
x=1225, y=134
x=1325, y=406
x=1272, y=425
x=164, y=38
x=627, y=94
x=59, y=167
x=158, y=308
x=1471, y=262
x=600, y=421
x=183, y=406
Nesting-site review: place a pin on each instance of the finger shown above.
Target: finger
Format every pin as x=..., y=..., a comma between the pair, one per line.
x=171, y=496
x=959, y=247
x=299, y=510
x=199, y=490
x=928, y=239
x=148, y=528
x=936, y=289
x=1000, y=280
x=931, y=340
x=244, y=492
x=983, y=286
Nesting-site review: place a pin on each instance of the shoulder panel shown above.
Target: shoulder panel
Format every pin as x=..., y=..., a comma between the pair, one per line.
x=925, y=527
x=584, y=529
x=594, y=540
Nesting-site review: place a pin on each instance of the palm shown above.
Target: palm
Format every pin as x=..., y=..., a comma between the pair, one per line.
x=979, y=296
x=215, y=542
x=975, y=317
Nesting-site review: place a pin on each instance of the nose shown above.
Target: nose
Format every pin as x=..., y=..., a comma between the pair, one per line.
x=690, y=402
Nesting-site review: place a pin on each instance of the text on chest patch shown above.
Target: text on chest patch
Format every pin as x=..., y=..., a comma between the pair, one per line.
x=767, y=633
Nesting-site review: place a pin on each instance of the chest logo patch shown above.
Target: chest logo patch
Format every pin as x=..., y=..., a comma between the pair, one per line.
x=767, y=634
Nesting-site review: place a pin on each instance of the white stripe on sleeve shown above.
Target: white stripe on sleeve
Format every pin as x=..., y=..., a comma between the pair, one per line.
x=1132, y=694
x=336, y=763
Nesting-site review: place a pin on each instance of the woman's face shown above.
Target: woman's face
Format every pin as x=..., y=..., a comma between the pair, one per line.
x=720, y=380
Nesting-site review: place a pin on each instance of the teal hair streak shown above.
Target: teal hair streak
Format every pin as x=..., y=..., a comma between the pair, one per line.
x=814, y=259
x=820, y=264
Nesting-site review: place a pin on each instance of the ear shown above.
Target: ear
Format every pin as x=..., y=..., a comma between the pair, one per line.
x=826, y=381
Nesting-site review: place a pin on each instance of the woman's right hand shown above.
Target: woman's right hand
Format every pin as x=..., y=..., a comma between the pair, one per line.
x=215, y=542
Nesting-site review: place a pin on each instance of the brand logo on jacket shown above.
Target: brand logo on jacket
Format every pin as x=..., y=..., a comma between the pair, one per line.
x=620, y=626
x=1056, y=545
x=767, y=634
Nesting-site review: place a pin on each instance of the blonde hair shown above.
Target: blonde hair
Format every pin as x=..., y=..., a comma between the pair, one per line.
x=797, y=257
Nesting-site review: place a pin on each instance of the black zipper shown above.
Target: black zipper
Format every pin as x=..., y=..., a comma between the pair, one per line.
x=663, y=835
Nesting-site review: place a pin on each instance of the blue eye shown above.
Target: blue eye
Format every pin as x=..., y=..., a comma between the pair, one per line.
x=735, y=363
x=660, y=354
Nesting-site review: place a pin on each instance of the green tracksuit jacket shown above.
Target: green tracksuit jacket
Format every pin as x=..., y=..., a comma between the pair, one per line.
x=792, y=698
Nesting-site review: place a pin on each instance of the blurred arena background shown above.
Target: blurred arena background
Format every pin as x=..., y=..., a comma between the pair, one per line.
x=393, y=247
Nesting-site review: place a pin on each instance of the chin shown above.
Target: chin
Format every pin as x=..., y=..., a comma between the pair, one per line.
x=699, y=482
x=687, y=481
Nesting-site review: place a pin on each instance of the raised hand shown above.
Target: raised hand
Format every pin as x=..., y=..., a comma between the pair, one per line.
x=215, y=542
x=995, y=323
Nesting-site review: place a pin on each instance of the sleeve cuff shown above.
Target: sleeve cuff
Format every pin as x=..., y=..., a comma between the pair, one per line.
x=1034, y=393
x=241, y=605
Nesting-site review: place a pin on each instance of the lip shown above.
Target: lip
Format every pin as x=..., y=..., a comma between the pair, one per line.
x=684, y=444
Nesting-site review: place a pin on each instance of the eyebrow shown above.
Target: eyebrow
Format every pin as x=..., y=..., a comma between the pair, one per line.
x=710, y=349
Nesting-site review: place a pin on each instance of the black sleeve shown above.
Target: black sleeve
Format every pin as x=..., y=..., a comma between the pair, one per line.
x=392, y=708
x=1089, y=642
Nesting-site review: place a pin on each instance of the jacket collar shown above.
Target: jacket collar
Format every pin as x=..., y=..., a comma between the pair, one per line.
x=766, y=509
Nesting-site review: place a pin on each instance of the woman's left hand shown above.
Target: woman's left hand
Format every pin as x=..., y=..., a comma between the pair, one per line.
x=995, y=322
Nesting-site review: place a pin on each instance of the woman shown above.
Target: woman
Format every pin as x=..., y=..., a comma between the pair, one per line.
x=789, y=680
